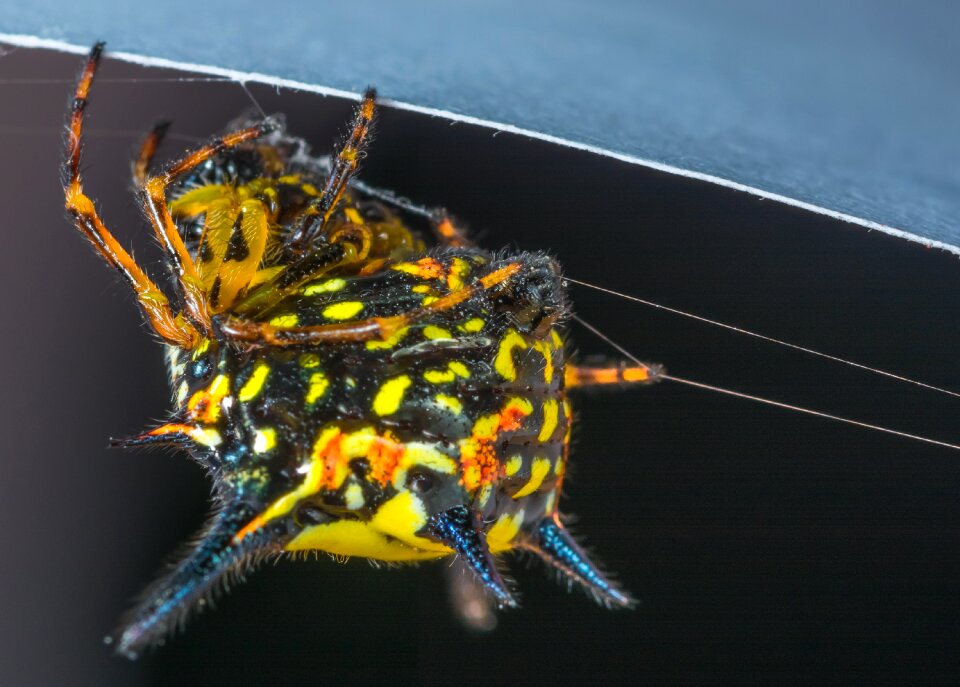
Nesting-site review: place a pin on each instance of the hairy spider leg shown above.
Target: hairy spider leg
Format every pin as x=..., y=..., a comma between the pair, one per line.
x=166, y=603
x=343, y=168
x=155, y=188
x=613, y=375
x=152, y=141
x=173, y=329
x=442, y=223
x=361, y=330
x=558, y=549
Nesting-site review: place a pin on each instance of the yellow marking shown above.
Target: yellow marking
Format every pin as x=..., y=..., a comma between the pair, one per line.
x=357, y=538
x=439, y=376
x=430, y=299
x=202, y=348
x=432, y=332
x=264, y=440
x=317, y=387
x=311, y=189
x=513, y=466
x=421, y=288
x=473, y=326
x=458, y=270
x=328, y=286
x=555, y=338
x=357, y=444
x=547, y=352
x=390, y=395
x=560, y=467
x=550, y=413
x=503, y=531
x=459, y=369
x=254, y=385
x=289, y=320
x=182, y=392
x=388, y=343
x=503, y=363
x=484, y=496
x=401, y=517
x=309, y=360
x=538, y=471
x=550, y=503
x=343, y=311
x=353, y=497
x=206, y=437
x=450, y=403
x=353, y=215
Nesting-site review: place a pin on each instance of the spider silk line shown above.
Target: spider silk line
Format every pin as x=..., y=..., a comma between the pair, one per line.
x=764, y=337
x=760, y=399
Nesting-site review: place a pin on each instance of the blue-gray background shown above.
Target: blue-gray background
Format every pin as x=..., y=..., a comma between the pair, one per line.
x=852, y=106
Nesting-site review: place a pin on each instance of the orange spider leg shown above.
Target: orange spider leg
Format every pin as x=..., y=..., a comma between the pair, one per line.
x=444, y=226
x=346, y=164
x=141, y=167
x=360, y=330
x=450, y=234
x=173, y=329
x=155, y=205
x=578, y=377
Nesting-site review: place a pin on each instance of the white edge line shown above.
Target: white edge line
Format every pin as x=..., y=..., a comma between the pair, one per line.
x=26, y=41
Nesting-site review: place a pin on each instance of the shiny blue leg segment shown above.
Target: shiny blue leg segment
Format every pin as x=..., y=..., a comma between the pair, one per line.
x=169, y=600
x=557, y=548
x=459, y=529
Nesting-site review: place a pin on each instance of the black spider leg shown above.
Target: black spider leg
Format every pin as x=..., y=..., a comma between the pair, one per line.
x=344, y=166
x=558, y=549
x=440, y=220
x=459, y=529
x=193, y=580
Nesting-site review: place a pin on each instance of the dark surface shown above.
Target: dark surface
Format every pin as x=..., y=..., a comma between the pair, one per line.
x=851, y=106
x=765, y=546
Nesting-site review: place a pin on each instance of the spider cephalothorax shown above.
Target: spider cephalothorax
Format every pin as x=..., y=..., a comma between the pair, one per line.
x=350, y=389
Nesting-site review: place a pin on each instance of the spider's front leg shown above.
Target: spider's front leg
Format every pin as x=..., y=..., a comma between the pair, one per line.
x=172, y=328
x=155, y=188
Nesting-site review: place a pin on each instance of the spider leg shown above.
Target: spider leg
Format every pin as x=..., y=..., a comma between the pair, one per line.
x=361, y=330
x=155, y=206
x=173, y=329
x=619, y=375
x=141, y=166
x=443, y=225
x=343, y=168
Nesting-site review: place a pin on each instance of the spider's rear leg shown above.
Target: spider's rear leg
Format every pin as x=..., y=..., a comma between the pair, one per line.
x=443, y=224
x=172, y=328
x=347, y=160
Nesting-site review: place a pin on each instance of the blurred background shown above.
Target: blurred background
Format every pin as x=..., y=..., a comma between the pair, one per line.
x=765, y=546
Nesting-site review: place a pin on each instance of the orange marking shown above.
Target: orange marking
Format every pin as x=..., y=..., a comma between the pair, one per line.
x=384, y=455
x=249, y=528
x=478, y=456
x=204, y=405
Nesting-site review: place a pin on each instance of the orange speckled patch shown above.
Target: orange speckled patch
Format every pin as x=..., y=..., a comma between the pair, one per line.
x=478, y=456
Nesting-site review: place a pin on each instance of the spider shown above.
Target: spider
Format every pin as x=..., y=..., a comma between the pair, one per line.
x=352, y=385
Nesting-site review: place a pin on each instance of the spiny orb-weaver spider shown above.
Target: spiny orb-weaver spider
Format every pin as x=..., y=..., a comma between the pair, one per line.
x=349, y=389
